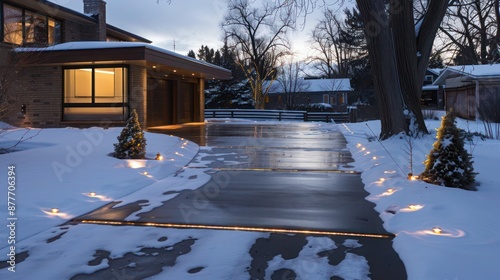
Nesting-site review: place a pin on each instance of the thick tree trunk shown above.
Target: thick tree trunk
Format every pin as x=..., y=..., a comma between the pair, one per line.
x=399, y=57
x=384, y=68
x=407, y=56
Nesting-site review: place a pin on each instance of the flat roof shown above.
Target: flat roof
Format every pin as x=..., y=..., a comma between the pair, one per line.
x=126, y=52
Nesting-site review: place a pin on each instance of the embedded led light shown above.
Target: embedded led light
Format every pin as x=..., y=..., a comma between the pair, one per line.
x=374, y=158
x=54, y=210
x=391, y=190
x=358, y=145
x=362, y=149
x=145, y=173
x=437, y=230
x=382, y=179
x=92, y=194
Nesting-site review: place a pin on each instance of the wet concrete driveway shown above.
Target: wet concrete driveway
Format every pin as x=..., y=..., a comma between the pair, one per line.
x=290, y=176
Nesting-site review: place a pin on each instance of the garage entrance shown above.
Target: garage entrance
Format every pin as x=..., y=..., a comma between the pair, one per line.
x=160, y=102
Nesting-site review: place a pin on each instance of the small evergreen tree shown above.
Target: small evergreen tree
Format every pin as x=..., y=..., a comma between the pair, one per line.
x=131, y=142
x=448, y=163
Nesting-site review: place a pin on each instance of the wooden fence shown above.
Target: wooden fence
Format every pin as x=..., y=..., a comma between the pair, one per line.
x=281, y=115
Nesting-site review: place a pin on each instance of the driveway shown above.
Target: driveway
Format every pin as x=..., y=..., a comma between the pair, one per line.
x=292, y=180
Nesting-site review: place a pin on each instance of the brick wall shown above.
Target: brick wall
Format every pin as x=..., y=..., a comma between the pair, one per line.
x=40, y=89
x=138, y=92
x=73, y=31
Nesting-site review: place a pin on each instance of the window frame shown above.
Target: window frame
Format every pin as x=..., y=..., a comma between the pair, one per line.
x=24, y=31
x=124, y=104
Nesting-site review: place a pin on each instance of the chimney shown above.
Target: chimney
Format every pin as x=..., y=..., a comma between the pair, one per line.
x=97, y=9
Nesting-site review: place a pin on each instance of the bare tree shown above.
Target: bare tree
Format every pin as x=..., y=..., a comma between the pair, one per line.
x=470, y=30
x=291, y=82
x=11, y=67
x=399, y=53
x=259, y=37
x=332, y=44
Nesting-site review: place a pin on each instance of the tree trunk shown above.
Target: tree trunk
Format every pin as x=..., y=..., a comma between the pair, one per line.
x=399, y=57
x=407, y=56
x=381, y=51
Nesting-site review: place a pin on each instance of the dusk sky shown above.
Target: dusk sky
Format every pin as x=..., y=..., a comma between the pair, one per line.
x=191, y=23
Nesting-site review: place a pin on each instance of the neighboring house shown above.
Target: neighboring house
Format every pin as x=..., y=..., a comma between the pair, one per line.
x=471, y=89
x=81, y=71
x=432, y=95
x=311, y=91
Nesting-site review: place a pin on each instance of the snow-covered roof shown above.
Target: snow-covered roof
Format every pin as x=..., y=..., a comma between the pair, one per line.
x=158, y=53
x=486, y=71
x=315, y=85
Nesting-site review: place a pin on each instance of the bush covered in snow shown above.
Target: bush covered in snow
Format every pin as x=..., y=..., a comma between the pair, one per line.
x=131, y=142
x=314, y=107
x=449, y=163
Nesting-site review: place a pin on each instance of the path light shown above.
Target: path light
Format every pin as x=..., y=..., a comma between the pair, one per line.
x=382, y=180
x=412, y=177
x=92, y=194
x=414, y=206
x=55, y=210
x=374, y=158
x=358, y=145
x=159, y=156
x=390, y=191
x=145, y=173
x=362, y=149
x=437, y=230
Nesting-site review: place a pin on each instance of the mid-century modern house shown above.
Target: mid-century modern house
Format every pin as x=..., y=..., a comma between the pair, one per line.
x=471, y=88
x=310, y=91
x=77, y=70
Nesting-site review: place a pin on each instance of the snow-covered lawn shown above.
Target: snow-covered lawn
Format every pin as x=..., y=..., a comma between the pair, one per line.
x=468, y=246
x=62, y=168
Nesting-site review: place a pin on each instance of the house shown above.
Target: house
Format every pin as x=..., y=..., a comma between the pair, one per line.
x=472, y=90
x=432, y=95
x=77, y=70
x=330, y=92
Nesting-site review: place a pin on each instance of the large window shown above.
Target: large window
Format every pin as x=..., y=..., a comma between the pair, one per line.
x=95, y=93
x=27, y=28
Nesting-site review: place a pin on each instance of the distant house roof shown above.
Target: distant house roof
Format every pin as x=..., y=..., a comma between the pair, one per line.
x=100, y=52
x=469, y=72
x=314, y=85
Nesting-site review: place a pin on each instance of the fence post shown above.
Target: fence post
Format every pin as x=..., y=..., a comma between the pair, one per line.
x=353, y=115
x=305, y=116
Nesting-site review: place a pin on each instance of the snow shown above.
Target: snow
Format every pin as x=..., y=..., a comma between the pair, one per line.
x=97, y=45
x=485, y=71
x=467, y=247
x=315, y=85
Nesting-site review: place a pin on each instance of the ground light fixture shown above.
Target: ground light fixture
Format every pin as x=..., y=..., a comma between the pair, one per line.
x=55, y=210
x=158, y=156
x=437, y=230
x=92, y=194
